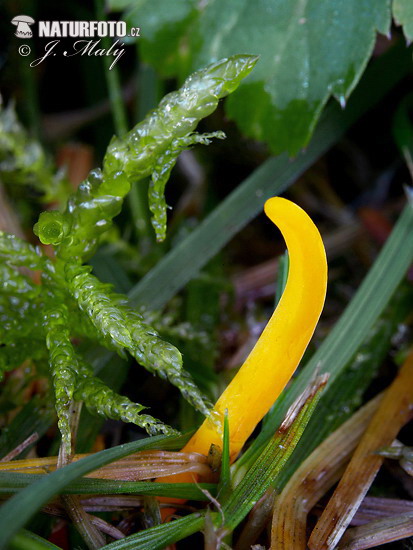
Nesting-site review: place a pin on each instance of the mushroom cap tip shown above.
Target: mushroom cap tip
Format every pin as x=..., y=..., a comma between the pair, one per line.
x=22, y=19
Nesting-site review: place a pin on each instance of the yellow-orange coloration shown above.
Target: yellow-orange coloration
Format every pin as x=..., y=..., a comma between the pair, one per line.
x=281, y=346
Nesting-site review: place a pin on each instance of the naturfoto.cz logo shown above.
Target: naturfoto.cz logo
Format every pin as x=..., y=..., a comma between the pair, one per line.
x=74, y=29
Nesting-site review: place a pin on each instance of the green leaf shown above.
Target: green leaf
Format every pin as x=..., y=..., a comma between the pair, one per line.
x=123, y=327
x=89, y=213
x=119, y=5
x=403, y=15
x=102, y=400
x=153, y=145
x=309, y=50
x=270, y=179
x=26, y=540
x=20, y=508
x=114, y=375
x=161, y=536
x=63, y=367
x=13, y=482
x=161, y=173
x=166, y=28
x=14, y=282
x=19, y=253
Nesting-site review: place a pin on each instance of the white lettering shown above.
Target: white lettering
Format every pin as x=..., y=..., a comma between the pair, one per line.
x=47, y=51
x=92, y=28
x=86, y=29
x=90, y=47
x=111, y=28
x=120, y=28
x=64, y=28
x=83, y=28
x=55, y=29
x=102, y=29
x=44, y=28
x=73, y=29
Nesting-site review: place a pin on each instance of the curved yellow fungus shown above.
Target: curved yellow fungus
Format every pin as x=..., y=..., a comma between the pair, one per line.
x=281, y=346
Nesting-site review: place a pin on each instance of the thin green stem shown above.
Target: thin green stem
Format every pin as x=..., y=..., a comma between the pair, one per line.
x=112, y=79
x=138, y=205
x=147, y=99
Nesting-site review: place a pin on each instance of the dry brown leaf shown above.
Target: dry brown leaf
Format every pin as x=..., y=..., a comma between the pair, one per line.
x=313, y=478
x=394, y=411
x=138, y=466
x=377, y=533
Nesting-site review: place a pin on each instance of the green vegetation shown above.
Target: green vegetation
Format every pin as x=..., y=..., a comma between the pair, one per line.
x=108, y=299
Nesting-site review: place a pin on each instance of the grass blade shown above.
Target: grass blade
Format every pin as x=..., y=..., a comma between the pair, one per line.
x=225, y=477
x=13, y=482
x=159, y=537
x=26, y=540
x=265, y=470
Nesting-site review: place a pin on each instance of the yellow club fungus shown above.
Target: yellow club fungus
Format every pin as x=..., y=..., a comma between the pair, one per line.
x=272, y=362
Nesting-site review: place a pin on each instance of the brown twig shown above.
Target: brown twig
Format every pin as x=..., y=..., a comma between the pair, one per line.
x=20, y=448
x=374, y=508
x=138, y=466
x=99, y=523
x=378, y=532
